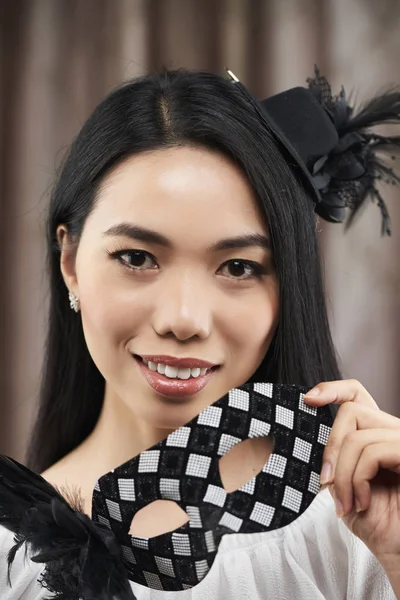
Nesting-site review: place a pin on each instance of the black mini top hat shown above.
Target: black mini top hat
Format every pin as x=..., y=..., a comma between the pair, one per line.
x=332, y=149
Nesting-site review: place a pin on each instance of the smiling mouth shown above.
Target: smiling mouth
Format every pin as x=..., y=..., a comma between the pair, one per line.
x=173, y=380
x=177, y=368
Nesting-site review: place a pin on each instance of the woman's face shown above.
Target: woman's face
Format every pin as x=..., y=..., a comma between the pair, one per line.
x=173, y=263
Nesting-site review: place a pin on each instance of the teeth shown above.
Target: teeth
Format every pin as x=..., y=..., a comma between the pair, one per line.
x=175, y=372
x=171, y=371
x=183, y=373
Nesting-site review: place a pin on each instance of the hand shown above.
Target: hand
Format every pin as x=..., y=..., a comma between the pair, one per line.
x=362, y=466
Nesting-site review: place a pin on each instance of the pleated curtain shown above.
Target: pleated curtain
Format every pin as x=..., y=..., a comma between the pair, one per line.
x=60, y=57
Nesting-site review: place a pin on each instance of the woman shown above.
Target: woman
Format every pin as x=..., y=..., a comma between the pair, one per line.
x=183, y=229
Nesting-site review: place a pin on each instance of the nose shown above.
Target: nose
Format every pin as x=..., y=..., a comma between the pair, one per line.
x=183, y=309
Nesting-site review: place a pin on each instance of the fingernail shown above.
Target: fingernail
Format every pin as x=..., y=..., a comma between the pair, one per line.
x=326, y=473
x=358, y=505
x=339, y=507
x=313, y=393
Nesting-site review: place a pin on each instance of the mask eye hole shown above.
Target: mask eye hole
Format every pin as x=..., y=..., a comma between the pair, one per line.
x=158, y=517
x=244, y=461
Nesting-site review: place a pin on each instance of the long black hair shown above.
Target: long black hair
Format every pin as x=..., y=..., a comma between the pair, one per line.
x=154, y=112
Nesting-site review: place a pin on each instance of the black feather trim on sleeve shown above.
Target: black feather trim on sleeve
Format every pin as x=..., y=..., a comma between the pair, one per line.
x=83, y=560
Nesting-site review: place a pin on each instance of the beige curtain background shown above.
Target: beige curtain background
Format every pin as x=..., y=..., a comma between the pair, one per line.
x=59, y=58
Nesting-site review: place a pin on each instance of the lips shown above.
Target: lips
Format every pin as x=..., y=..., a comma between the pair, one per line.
x=176, y=388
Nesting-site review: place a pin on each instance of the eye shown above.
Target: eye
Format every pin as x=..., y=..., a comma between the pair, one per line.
x=243, y=269
x=137, y=260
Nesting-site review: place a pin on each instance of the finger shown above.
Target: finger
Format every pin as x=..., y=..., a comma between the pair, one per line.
x=347, y=490
x=338, y=392
x=382, y=455
x=351, y=417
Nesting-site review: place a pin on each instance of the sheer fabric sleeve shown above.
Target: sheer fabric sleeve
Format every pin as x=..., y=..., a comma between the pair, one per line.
x=365, y=576
x=24, y=573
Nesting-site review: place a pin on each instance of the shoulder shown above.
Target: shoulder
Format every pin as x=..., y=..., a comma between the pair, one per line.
x=315, y=554
x=24, y=573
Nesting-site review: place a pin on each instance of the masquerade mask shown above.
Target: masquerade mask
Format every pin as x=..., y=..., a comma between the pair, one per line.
x=95, y=558
x=184, y=468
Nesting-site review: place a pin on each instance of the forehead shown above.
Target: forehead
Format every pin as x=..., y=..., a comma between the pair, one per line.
x=179, y=189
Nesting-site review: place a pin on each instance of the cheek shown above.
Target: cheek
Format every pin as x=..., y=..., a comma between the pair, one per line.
x=252, y=324
x=110, y=316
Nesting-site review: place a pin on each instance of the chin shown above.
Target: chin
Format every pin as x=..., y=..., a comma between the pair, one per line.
x=170, y=413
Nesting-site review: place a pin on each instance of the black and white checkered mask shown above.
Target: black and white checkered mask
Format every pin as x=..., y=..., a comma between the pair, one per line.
x=184, y=468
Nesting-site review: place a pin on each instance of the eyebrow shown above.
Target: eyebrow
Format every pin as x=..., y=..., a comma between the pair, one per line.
x=135, y=232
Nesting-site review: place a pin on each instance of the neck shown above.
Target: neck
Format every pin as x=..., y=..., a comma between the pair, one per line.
x=118, y=436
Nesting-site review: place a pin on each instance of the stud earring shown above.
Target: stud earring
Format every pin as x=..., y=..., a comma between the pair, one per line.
x=73, y=301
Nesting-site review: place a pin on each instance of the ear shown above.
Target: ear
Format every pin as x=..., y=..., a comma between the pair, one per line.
x=67, y=259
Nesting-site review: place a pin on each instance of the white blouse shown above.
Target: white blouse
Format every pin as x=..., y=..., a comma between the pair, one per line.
x=314, y=558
